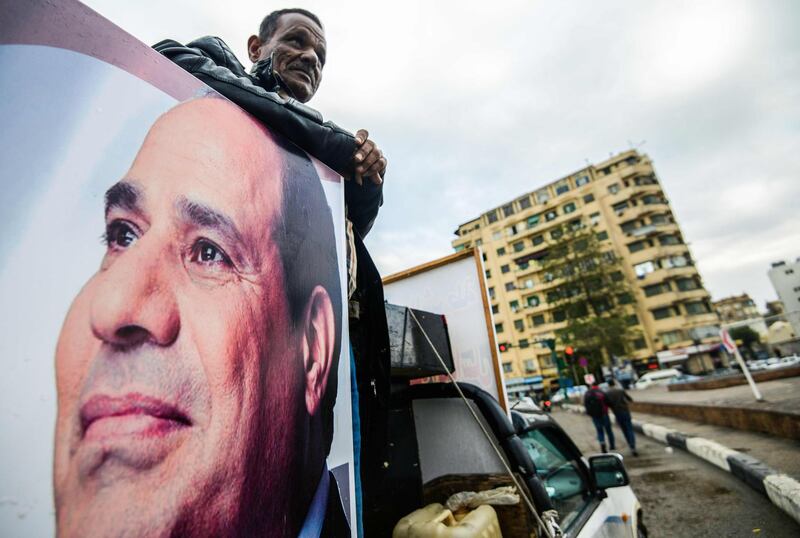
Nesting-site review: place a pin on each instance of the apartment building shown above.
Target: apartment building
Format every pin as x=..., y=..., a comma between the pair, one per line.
x=785, y=278
x=622, y=200
x=736, y=308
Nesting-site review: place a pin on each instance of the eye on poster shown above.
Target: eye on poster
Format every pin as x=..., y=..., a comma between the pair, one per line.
x=174, y=344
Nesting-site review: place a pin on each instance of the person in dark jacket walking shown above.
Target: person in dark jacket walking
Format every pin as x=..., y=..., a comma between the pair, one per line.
x=618, y=401
x=596, y=403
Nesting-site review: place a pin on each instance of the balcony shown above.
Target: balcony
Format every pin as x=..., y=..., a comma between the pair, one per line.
x=650, y=230
x=659, y=275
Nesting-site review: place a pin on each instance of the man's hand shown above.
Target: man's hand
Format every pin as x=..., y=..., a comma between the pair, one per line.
x=368, y=160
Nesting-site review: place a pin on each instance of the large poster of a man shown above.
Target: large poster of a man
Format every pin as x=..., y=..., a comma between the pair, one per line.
x=201, y=367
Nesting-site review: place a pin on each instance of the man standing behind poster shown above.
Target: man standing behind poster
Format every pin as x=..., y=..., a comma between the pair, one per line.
x=288, y=56
x=196, y=370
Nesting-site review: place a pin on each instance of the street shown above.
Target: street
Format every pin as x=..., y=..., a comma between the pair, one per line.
x=682, y=495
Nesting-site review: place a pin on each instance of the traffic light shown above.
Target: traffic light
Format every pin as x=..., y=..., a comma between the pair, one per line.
x=504, y=346
x=570, y=352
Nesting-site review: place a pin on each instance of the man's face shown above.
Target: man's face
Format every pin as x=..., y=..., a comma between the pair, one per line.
x=298, y=52
x=178, y=388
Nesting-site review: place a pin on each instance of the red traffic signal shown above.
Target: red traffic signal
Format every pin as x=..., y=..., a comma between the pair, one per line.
x=504, y=347
x=569, y=351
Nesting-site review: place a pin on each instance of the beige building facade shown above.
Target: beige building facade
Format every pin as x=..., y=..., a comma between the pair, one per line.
x=623, y=202
x=736, y=308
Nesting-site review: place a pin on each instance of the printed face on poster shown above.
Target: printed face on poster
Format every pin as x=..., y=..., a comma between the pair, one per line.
x=173, y=279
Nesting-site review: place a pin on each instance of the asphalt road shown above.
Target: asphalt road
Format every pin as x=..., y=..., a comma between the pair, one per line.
x=682, y=495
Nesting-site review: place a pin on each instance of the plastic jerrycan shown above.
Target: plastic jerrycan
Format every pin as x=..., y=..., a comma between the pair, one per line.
x=436, y=521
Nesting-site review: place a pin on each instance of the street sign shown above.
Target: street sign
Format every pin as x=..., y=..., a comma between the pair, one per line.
x=583, y=361
x=588, y=379
x=731, y=348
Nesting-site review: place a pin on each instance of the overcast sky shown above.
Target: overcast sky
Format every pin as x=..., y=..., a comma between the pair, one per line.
x=475, y=105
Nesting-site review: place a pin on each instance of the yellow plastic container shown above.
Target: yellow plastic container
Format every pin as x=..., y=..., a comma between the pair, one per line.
x=436, y=521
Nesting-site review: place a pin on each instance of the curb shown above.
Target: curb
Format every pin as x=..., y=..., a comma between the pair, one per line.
x=782, y=490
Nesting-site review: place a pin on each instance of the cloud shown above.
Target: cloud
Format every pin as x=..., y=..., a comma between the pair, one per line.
x=476, y=104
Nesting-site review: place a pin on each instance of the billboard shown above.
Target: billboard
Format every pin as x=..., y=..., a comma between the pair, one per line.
x=174, y=338
x=455, y=287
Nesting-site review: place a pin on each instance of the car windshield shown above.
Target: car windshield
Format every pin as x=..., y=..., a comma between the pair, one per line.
x=561, y=477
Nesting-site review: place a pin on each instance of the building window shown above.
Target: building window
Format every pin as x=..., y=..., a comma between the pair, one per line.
x=652, y=199
x=459, y=248
x=519, y=325
x=562, y=187
x=501, y=251
x=621, y=206
x=491, y=216
x=488, y=273
x=636, y=246
x=514, y=306
x=505, y=269
x=537, y=240
x=478, y=242
x=542, y=196
x=625, y=298
x=510, y=286
x=789, y=272
x=495, y=309
x=629, y=226
x=533, y=221
x=675, y=261
x=524, y=343
x=602, y=236
x=569, y=208
x=498, y=327
x=671, y=337
x=594, y=218
x=497, y=236
x=556, y=234
x=483, y=255
x=687, y=284
x=613, y=188
x=694, y=309
x=559, y=316
x=553, y=296
x=511, y=230
x=616, y=276
x=632, y=319
x=659, y=219
x=656, y=289
x=644, y=269
x=530, y=365
x=665, y=240
x=507, y=368
x=524, y=203
x=508, y=210
x=529, y=283
x=662, y=313
x=706, y=331
x=537, y=320
x=491, y=293
x=519, y=245
x=580, y=181
x=639, y=343
x=550, y=215
x=588, y=199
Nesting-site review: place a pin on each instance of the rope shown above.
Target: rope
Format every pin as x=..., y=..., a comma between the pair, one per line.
x=548, y=530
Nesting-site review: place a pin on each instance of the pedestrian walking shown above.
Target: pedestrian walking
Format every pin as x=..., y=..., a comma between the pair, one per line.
x=618, y=401
x=596, y=403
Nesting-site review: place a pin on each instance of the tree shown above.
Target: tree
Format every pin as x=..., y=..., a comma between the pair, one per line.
x=747, y=337
x=590, y=294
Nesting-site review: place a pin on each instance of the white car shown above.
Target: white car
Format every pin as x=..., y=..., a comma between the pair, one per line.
x=593, y=495
x=656, y=377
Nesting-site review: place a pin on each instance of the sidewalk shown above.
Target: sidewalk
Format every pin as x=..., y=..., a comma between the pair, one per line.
x=779, y=395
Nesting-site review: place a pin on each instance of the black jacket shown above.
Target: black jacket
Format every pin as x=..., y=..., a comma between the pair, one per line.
x=210, y=60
